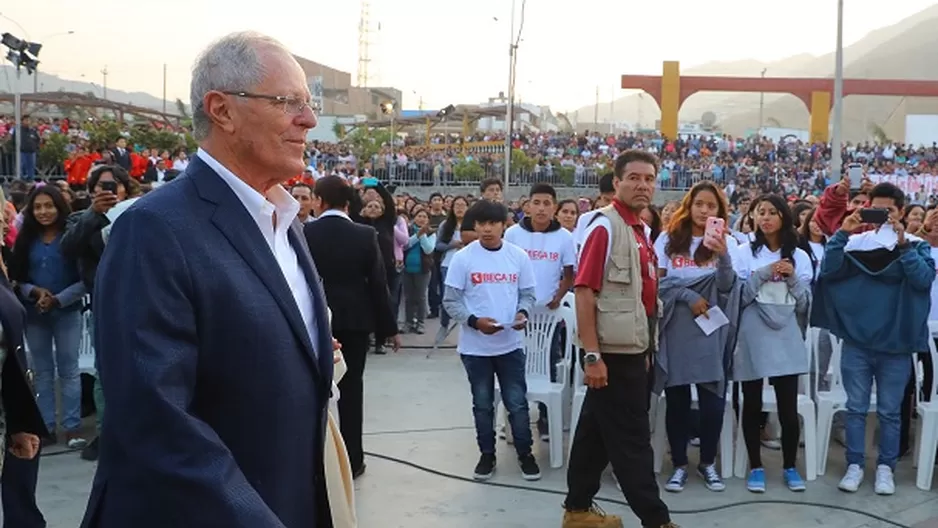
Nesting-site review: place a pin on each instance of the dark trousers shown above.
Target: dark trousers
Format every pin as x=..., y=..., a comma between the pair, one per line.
x=908, y=402
x=613, y=428
x=786, y=395
x=434, y=291
x=18, y=484
x=394, y=289
x=679, y=422
x=351, y=394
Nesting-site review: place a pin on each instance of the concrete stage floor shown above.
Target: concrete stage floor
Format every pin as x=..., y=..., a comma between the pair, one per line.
x=418, y=409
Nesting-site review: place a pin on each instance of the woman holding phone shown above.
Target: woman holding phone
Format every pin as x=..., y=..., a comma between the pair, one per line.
x=696, y=271
x=775, y=300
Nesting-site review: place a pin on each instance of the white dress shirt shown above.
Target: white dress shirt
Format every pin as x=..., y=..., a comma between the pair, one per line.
x=262, y=209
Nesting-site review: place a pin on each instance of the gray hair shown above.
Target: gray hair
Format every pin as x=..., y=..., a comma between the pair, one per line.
x=231, y=63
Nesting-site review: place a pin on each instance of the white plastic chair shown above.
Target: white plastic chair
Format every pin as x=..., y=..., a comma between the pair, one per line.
x=659, y=441
x=805, y=411
x=86, y=352
x=927, y=434
x=542, y=324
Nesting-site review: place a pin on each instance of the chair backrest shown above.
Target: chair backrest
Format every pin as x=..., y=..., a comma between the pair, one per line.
x=539, y=337
x=569, y=300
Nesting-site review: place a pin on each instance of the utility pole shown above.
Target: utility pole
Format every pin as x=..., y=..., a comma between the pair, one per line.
x=104, y=73
x=18, y=118
x=596, y=110
x=164, y=88
x=836, y=161
x=510, y=103
x=761, y=107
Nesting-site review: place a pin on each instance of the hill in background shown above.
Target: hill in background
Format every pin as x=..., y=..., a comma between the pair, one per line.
x=905, y=50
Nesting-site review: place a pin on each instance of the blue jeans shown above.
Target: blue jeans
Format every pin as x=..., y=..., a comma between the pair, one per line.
x=28, y=165
x=680, y=424
x=859, y=368
x=510, y=371
x=53, y=340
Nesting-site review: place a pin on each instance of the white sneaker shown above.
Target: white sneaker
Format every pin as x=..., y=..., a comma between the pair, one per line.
x=885, y=485
x=853, y=478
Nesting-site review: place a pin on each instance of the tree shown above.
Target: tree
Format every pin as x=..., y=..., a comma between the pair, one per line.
x=365, y=143
x=521, y=162
x=879, y=134
x=339, y=130
x=53, y=153
x=468, y=170
x=103, y=133
x=181, y=109
x=566, y=174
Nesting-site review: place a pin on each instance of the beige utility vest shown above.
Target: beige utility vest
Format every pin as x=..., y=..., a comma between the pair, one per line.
x=621, y=319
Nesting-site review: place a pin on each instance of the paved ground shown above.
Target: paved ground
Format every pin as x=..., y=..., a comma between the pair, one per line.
x=418, y=410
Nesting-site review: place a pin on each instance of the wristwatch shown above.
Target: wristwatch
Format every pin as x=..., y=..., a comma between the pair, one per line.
x=591, y=357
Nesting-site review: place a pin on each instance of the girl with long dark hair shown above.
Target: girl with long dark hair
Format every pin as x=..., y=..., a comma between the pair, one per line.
x=775, y=301
x=686, y=356
x=448, y=242
x=50, y=287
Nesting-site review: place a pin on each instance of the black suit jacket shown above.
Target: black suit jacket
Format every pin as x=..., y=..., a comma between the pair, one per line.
x=353, y=275
x=123, y=161
x=19, y=399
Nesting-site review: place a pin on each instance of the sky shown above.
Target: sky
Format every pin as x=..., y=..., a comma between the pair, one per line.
x=443, y=51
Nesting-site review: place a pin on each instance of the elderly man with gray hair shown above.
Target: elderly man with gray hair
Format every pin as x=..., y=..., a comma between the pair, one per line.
x=217, y=362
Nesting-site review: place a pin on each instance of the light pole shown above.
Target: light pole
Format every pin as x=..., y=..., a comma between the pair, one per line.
x=387, y=108
x=22, y=54
x=762, y=106
x=46, y=39
x=513, y=42
x=836, y=161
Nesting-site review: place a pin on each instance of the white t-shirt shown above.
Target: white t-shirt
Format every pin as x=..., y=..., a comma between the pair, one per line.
x=604, y=223
x=818, y=249
x=745, y=263
x=683, y=266
x=549, y=252
x=579, y=232
x=490, y=281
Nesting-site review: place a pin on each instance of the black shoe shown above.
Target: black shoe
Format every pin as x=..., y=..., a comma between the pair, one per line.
x=358, y=472
x=485, y=468
x=529, y=469
x=90, y=452
x=380, y=351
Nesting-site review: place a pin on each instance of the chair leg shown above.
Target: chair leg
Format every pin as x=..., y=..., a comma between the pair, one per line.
x=810, y=441
x=555, y=426
x=660, y=434
x=929, y=442
x=726, y=443
x=740, y=460
x=825, y=422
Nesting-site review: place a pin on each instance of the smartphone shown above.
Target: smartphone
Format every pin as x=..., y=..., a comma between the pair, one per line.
x=714, y=230
x=109, y=186
x=873, y=215
x=855, y=172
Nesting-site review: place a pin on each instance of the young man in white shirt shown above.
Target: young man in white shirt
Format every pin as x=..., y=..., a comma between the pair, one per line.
x=490, y=289
x=553, y=256
x=606, y=193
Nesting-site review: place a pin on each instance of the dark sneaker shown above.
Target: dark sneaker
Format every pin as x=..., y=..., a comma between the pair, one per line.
x=485, y=468
x=529, y=469
x=90, y=452
x=711, y=477
x=678, y=480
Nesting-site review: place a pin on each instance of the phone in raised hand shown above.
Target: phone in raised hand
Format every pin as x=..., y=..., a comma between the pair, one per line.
x=713, y=231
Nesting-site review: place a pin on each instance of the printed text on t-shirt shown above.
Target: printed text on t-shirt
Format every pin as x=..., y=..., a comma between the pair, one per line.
x=494, y=278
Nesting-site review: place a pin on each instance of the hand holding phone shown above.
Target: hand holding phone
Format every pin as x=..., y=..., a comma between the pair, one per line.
x=874, y=215
x=713, y=232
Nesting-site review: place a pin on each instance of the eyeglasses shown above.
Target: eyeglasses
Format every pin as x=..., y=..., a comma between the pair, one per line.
x=291, y=105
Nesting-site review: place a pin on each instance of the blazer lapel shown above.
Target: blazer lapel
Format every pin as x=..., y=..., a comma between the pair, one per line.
x=320, y=306
x=234, y=221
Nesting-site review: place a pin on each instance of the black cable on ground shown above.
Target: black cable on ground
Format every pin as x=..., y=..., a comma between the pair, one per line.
x=692, y=511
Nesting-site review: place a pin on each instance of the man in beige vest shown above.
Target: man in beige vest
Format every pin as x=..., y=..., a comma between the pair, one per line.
x=617, y=308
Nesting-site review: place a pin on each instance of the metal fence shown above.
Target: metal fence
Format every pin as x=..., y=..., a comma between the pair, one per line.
x=429, y=173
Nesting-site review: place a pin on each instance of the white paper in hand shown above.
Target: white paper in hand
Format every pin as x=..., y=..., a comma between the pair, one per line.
x=713, y=321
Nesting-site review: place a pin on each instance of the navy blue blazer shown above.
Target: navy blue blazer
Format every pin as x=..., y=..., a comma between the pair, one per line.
x=216, y=398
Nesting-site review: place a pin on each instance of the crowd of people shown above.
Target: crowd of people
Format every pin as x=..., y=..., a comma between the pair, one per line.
x=251, y=306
